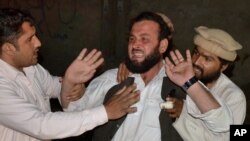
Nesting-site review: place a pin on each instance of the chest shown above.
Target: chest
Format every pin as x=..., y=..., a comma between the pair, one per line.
x=32, y=92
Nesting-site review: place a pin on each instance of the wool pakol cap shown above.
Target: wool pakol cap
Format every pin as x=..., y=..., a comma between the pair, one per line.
x=169, y=23
x=217, y=41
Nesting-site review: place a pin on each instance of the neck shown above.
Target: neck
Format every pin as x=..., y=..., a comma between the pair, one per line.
x=211, y=84
x=150, y=74
x=12, y=63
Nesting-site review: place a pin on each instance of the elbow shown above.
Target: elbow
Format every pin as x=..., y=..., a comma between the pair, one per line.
x=221, y=123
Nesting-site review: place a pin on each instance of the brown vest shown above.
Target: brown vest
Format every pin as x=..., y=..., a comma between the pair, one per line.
x=168, y=133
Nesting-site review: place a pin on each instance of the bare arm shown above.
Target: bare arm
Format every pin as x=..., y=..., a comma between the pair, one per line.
x=180, y=71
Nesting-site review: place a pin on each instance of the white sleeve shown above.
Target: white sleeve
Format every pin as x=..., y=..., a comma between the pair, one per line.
x=192, y=128
x=26, y=117
x=95, y=92
x=217, y=120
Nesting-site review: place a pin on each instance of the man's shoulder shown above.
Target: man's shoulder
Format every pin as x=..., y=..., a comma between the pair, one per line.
x=36, y=67
x=226, y=85
x=109, y=74
x=105, y=80
x=227, y=82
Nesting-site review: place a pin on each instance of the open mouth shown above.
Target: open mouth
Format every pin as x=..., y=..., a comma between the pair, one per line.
x=137, y=54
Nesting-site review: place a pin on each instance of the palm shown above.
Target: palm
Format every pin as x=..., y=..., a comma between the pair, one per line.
x=84, y=66
x=180, y=70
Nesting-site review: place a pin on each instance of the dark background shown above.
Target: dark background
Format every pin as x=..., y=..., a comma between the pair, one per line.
x=66, y=26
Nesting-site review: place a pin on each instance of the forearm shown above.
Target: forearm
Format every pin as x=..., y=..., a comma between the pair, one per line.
x=65, y=90
x=71, y=92
x=203, y=99
x=64, y=101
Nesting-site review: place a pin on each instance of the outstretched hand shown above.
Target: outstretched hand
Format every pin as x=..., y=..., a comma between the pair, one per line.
x=84, y=66
x=180, y=70
x=80, y=71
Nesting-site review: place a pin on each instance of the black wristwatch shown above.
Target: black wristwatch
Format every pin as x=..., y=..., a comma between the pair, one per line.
x=189, y=83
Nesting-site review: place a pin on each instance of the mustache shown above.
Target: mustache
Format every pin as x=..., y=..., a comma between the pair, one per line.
x=136, y=49
x=198, y=67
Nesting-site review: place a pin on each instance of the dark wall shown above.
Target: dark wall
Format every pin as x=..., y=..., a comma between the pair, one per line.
x=67, y=26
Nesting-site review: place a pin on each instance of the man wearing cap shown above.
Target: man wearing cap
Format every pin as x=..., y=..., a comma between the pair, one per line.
x=209, y=109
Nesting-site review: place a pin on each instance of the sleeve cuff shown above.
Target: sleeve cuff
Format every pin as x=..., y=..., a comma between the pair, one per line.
x=99, y=115
x=217, y=120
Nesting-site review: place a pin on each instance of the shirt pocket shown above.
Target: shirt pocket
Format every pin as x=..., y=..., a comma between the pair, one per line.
x=151, y=113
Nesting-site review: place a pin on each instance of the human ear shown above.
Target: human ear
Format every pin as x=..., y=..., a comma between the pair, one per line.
x=163, y=46
x=224, y=67
x=8, y=48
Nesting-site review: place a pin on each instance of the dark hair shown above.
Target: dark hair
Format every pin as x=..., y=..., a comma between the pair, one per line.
x=164, y=29
x=11, y=21
x=229, y=71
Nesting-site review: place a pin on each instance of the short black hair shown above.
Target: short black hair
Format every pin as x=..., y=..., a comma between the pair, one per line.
x=11, y=21
x=229, y=71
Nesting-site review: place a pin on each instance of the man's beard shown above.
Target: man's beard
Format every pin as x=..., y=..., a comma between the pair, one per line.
x=209, y=77
x=146, y=64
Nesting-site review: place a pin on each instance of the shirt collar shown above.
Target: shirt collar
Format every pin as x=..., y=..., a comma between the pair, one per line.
x=218, y=82
x=10, y=72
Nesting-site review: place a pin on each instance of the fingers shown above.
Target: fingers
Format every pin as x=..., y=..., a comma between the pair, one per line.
x=168, y=67
x=175, y=112
x=176, y=57
x=128, y=95
x=121, y=90
x=82, y=54
x=74, y=97
x=94, y=59
x=119, y=73
x=189, y=57
x=169, y=64
x=132, y=98
x=131, y=110
x=172, y=113
x=122, y=73
x=97, y=63
x=92, y=56
x=179, y=56
x=128, y=90
x=77, y=92
x=120, y=104
x=125, y=72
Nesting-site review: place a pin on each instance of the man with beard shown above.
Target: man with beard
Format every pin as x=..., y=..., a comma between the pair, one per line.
x=215, y=51
x=148, y=40
x=205, y=115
